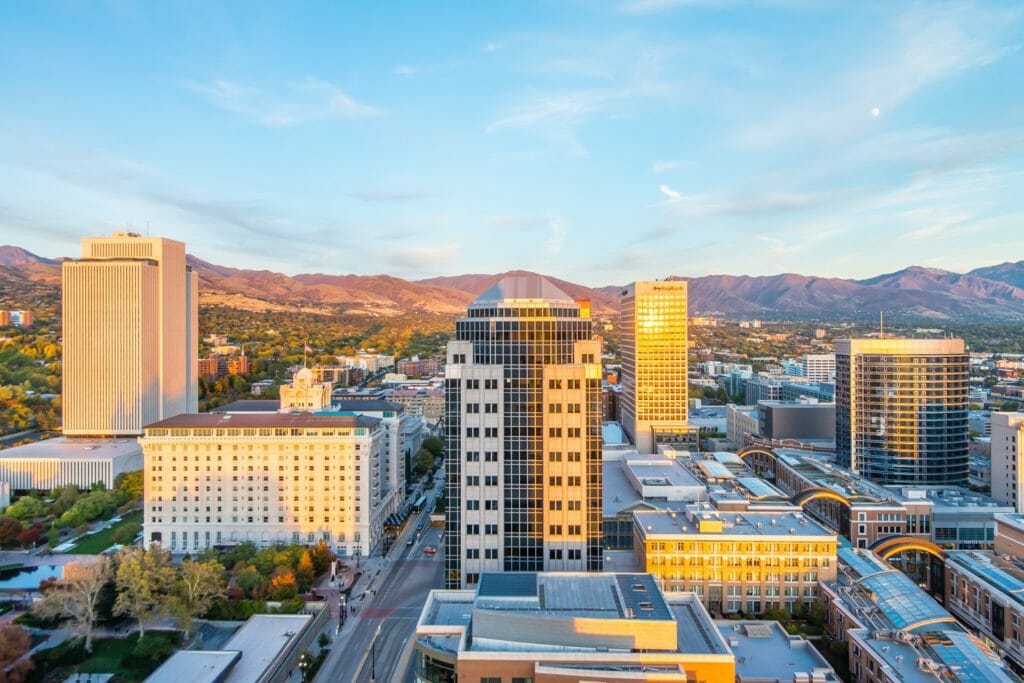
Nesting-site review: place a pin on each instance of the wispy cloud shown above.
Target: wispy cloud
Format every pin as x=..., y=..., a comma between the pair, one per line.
x=389, y=196
x=559, y=232
x=285, y=104
x=669, y=165
x=420, y=259
x=669, y=192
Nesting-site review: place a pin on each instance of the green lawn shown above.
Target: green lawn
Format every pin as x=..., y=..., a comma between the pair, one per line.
x=94, y=544
x=109, y=655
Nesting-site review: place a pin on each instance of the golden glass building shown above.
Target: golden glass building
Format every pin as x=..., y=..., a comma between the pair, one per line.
x=130, y=335
x=901, y=410
x=653, y=343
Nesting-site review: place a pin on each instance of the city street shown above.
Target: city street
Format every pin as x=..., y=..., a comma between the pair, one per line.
x=391, y=600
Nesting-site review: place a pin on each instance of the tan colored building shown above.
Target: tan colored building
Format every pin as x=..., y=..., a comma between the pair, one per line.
x=305, y=394
x=566, y=626
x=265, y=479
x=130, y=338
x=654, y=374
x=1008, y=459
x=738, y=561
x=1010, y=535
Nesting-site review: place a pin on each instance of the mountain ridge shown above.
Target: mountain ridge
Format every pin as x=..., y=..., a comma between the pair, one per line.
x=995, y=292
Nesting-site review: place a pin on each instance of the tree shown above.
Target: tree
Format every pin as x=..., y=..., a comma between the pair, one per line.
x=14, y=642
x=198, y=585
x=434, y=445
x=127, y=533
x=305, y=573
x=10, y=529
x=77, y=596
x=144, y=581
x=130, y=484
x=282, y=584
x=423, y=461
x=26, y=509
x=31, y=535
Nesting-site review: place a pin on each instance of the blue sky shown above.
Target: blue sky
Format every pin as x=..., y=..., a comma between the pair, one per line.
x=596, y=141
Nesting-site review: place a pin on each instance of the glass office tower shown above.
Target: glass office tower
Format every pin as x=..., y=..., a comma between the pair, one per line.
x=523, y=431
x=901, y=410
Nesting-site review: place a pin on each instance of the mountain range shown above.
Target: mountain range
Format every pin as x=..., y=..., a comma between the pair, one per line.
x=994, y=292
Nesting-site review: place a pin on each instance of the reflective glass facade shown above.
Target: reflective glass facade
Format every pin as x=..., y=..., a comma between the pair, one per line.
x=901, y=410
x=526, y=338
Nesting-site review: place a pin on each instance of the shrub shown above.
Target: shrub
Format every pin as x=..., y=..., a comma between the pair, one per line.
x=155, y=646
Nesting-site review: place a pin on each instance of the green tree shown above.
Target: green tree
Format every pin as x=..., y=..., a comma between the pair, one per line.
x=434, y=445
x=126, y=534
x=77, y=596
x=198, y=585
x=130, y=484
x=144, y=580
x=422, y=461
x=26, y=508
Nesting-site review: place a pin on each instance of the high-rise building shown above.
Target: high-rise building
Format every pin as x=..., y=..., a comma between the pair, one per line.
x=130, y=320
x=1008, y=459
x=819, y=368
x=654, y=378
x=523, y=427
x=901, y=410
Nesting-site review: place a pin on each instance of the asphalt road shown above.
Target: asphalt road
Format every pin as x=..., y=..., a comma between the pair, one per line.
x=393, y=601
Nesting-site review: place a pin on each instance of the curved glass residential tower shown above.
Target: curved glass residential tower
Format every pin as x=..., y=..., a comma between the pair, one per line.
x=523, y=429
x=901, y=410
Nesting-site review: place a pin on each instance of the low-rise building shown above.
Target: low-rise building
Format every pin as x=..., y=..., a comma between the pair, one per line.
x=214, y=479
x=568, y=626
x=305, y=393
x=740, y=422
x=766, y=653
x=985, y=592
x=63, y=461
x=888, y=657
x=1010, y=534
x=799, y=420
x=740, y=561
x=266, y=649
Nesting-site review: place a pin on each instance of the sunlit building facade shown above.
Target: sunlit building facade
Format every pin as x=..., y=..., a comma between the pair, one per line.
x=901, y=410
x=130, y=335
x=523, y=429
x=739, y=561
x=262, y=478
x=653, y=345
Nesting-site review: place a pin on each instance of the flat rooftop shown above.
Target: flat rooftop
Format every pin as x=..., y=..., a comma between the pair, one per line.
x=766, y=652
x=739, y=523
x=366, y=405
x=74, y=448
x=260, y=640
x=1005, y=575
x=195, y=666
x=241, y=420
x=612, y=434
x=250, y=406
x=961, y=656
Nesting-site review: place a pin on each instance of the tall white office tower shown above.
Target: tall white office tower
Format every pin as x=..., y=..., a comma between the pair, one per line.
x=130, y=328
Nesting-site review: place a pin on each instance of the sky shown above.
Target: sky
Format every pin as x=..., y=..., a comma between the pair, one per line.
x=596, y=141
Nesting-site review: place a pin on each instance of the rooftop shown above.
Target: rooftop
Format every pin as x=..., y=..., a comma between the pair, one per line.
x=520, y=288
x=195, y=666
x=241, y=420
x=945, y=656
x=366, y=405
x=766, y=652
x=1004, y=575
x=250, y=406
x=739, y=523
x=74, y=448
x=260, y=640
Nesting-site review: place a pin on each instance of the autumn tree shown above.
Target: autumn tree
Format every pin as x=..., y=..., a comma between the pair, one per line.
x=14, y=643
x=282, y=584
x=198, y=584
x=10, y=528
x=77, y=596
x=144, y=580
x=305, y=573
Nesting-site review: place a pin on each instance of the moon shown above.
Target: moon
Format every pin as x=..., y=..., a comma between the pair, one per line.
x=875, y=111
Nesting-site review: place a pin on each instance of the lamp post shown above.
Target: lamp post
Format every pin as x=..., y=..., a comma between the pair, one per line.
x=304, y=664
x=373, y=655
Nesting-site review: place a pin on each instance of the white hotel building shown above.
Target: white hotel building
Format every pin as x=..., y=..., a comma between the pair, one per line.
x=264, y=478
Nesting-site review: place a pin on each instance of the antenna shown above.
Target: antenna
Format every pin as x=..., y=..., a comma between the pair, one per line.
x=881, y=325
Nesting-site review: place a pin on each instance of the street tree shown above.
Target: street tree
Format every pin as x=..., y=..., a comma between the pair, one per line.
x=197, y=586
x=144, y=580
x=14, y=643
x=77, y=596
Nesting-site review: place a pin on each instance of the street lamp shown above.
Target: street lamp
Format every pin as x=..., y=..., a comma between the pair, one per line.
x=304, y=663
x=373, y=655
